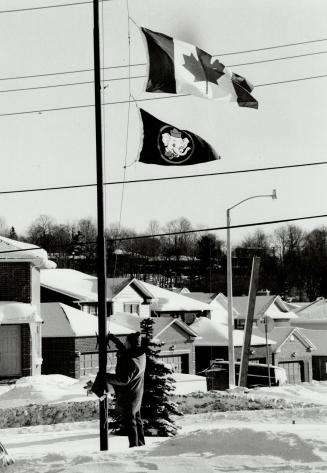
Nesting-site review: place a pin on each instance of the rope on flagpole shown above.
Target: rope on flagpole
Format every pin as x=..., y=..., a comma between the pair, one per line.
x=127, y=133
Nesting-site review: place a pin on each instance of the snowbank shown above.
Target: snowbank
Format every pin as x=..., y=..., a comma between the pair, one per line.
x=43, y=389
x=314, y=392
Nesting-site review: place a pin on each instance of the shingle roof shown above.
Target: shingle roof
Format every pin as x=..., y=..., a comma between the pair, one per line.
x=319, y=339
x=162, y=323
x=317, y=310
x=241, y=304
x=280, y=335
x=262, y=305
x=206, y=297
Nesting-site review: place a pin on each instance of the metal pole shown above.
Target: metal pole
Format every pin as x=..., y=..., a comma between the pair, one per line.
x=267, y=351
x=231, y=364
x=243, y=375
x=101, y=247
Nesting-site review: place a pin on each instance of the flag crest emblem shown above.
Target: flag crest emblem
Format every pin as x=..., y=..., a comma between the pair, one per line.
x=175, y=146
x=167, y=145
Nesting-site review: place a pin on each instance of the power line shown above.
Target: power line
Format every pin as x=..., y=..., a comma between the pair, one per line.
x=200, y=230
x=78, y=71
x=46, y=7
x=72, y=107
x=268, y=222
x=155, y=179
x=24, y=89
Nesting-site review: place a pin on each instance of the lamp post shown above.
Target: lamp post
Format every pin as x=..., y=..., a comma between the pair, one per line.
x=231, y=364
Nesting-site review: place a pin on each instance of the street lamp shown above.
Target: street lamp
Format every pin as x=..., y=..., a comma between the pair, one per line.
x=231, y=364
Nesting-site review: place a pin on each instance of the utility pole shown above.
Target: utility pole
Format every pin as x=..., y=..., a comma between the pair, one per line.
x=242, y=380
x=231, y=357
x=101, y=245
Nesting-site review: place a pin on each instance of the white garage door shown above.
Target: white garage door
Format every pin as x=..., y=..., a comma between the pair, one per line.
x=10, y=351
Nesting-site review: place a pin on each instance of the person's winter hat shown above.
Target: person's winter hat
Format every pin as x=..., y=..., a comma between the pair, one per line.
x=134, y=339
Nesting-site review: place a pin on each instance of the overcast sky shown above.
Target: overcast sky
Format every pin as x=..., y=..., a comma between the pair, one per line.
x=58, y=148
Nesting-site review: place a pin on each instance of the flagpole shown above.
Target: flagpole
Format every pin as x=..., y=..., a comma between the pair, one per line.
x=101, y=247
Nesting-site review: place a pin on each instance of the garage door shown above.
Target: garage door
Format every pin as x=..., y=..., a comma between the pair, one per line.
x=10, y=351
x=89, y=363
x=179, y=363
x=294, y=371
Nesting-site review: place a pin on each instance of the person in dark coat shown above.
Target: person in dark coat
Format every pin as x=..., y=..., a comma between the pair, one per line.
x=128, y=384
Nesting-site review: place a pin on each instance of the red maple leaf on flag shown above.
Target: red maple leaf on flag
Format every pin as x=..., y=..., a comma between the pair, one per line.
x=202, y=68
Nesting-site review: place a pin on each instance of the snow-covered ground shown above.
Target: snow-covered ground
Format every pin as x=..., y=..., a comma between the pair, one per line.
x=281, y=440
x=252, y=441
x=54, y=388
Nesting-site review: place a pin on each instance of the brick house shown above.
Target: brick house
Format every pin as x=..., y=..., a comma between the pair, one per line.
x=123, y=295
x=312, y=321
x=80, y=290
x=292, y=350
x=218, y=305
x=212, y=343
x=20, y=319
x=178, y=349
x=272, y=306
x=69, y=342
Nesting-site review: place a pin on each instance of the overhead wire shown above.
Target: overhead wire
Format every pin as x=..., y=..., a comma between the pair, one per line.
x=46, y=7
x=72, y=107
x=129, y=77
x=168, y=178
x=78, y=71
x=184, y=232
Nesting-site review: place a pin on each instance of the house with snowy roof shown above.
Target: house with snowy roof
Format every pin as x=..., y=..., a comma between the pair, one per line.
x=212, y=343
x=272, y=306
x=312, y=320
x=292, y=350
x=20, y=314
x=123, y=295
x=312, y=316
x=69, y=340
x=218, y=305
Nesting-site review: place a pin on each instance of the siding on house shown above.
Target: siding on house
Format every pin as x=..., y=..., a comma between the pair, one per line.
x=293, y=351
x=177, y=343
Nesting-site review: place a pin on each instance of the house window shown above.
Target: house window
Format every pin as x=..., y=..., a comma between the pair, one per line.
x=89, y=363
x=90, y=309
x=132, y=308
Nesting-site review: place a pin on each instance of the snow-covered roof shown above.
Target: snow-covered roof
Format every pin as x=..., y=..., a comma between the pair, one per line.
x=69, y=282
x=161, y=324
x=273, y=306
x=61, y=320
x=318, y=338
x=18, y=313
x=19, y=251
x=214, y=334
x=281, y=334
x=80, y=286
x=166, y=300
x=316, y=310
x=206, y=297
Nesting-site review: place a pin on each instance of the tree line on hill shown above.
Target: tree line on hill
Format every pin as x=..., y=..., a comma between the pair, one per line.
x=293, y=261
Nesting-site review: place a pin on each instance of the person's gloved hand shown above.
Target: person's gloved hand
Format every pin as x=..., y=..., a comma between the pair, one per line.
x=99, y=386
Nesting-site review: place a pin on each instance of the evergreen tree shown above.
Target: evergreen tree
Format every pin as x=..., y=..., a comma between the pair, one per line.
x=13, y=234
x=157, y=408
